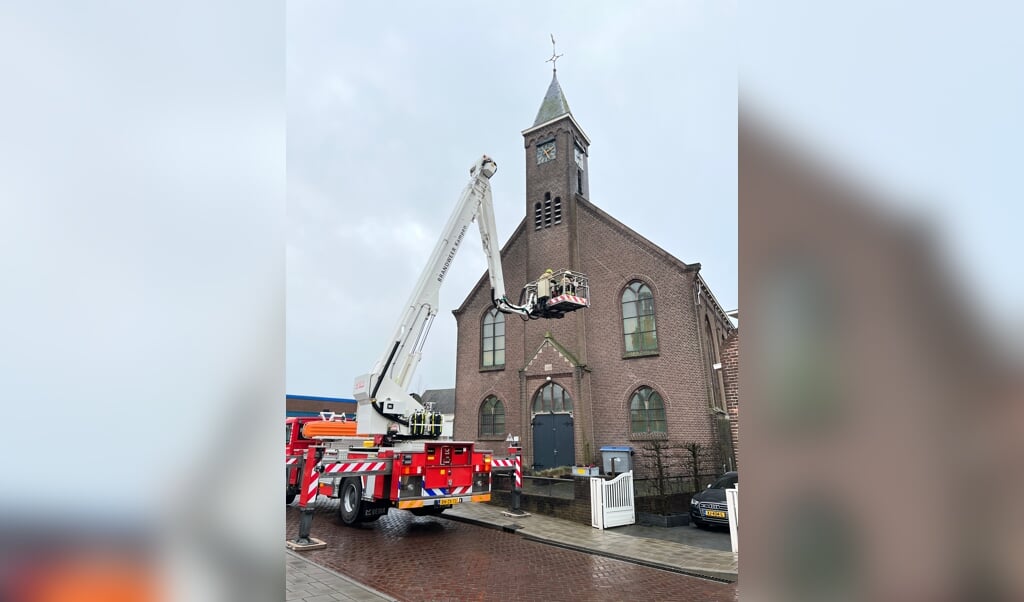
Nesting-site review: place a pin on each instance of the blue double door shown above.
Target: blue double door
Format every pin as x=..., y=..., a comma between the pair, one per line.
x=554, y=443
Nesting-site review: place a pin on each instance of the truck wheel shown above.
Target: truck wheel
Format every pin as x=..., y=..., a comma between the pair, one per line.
x=350, y=506
x=289, y=497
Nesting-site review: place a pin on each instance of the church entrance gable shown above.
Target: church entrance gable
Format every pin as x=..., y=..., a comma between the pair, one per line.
x=551, y=358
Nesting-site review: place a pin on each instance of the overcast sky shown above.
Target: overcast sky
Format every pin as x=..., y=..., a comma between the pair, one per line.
x=388, y=108
x=920, y=102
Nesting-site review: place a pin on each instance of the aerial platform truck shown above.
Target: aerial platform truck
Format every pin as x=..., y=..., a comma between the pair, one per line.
x=403, y=455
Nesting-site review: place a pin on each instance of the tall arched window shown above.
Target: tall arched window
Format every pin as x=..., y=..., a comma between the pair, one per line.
x=492, y=417
x=638, y=319
x=647, y=411
x=716, y=396
x=492, y=350
x=552, y=398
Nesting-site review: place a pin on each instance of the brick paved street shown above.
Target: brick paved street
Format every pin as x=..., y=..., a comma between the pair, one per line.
x=423, y=559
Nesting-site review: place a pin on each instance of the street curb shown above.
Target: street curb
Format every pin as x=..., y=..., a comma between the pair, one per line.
x=690, y=572
x=480, y=523
x=709, y=575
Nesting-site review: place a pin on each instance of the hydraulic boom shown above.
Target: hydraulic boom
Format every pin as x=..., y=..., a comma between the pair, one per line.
x=384, y=405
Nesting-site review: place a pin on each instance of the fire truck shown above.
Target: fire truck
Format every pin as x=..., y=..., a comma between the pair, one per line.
x=403, y=455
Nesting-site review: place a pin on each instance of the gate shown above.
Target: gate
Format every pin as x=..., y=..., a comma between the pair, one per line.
x=554, y=443
x=611, y=502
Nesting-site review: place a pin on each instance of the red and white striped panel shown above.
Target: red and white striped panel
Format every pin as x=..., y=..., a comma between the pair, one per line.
x=289, y=461
x=564, y=298
x=444, y=491
x=510, y=463
x=311, y=490
x=519, y=472
x=354, y=467
x=309, y=479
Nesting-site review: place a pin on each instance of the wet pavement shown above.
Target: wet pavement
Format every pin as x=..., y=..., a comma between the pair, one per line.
x=424, y=559
x=714, y=538
x=658, y=548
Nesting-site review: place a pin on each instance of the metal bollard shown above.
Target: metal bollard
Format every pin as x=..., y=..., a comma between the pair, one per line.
x=305, y=521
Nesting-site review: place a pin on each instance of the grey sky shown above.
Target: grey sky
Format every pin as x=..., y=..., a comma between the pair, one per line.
x=388, y=108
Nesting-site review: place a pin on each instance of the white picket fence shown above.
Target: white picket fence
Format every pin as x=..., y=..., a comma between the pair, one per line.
x=611, y=502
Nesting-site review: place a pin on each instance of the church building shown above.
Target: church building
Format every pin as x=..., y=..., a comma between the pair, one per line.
x=642, y=363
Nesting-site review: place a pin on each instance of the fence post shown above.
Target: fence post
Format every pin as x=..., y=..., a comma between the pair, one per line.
x=310, y=485
x=732, y=504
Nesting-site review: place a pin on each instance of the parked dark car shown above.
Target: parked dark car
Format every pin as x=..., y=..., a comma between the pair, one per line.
x=708, y=507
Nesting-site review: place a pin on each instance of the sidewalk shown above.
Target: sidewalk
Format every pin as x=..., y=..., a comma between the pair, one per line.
x=656, y=553
x=306, y=581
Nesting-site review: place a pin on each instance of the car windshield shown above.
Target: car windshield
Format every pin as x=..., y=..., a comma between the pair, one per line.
x=726, y=482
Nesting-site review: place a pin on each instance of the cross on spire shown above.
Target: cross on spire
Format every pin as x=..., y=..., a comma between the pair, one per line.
x=554, y=57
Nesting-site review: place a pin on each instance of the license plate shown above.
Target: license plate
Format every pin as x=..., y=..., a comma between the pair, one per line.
x=449, y=501
x=714, y=513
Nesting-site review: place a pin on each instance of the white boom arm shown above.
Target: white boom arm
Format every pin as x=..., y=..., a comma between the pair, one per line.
x=383, y=403
x=384, y=406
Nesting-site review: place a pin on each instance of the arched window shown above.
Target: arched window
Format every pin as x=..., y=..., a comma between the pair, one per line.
x=647, y=411
x=552, y=398
x=716, y=397
x=492, y=417
x=638, y=319
x=492, y=350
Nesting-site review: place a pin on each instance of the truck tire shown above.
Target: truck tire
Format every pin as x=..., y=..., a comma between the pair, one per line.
x=350, y=502
x=289, y=497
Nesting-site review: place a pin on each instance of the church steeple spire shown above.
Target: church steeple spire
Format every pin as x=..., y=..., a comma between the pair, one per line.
x=554, y=104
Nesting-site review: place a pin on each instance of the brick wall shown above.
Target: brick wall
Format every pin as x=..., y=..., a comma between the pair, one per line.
x=731, y=376
x=613, y=259
x=576, y=510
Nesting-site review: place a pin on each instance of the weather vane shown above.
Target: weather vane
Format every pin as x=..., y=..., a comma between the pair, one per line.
x=554, y=57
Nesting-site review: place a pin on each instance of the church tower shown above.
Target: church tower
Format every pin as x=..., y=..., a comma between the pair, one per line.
x=556, y=173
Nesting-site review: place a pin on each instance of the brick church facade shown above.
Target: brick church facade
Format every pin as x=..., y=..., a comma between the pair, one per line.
x=642, y=363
